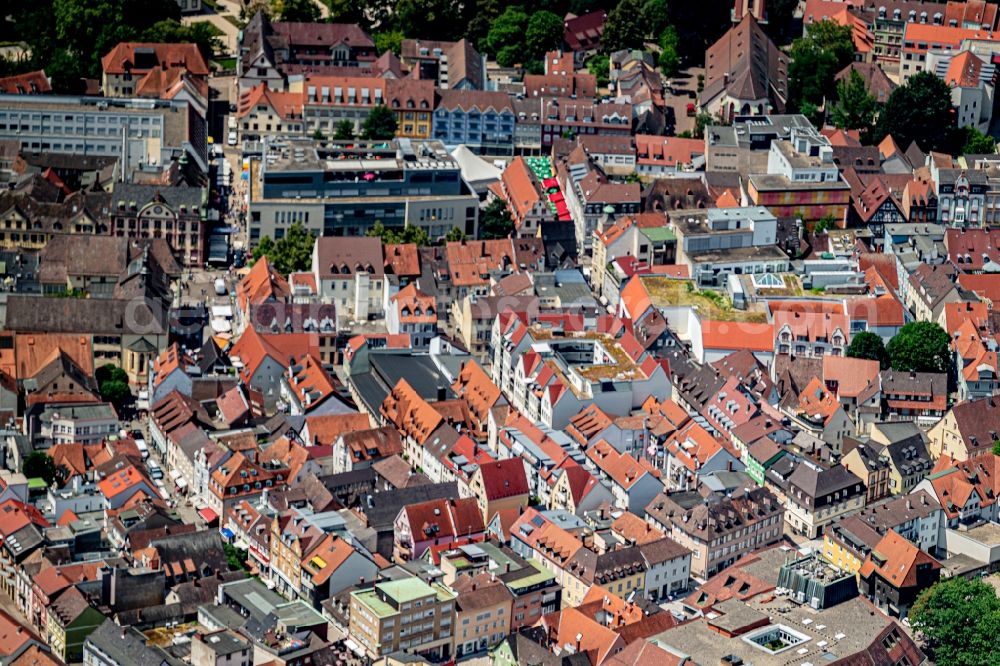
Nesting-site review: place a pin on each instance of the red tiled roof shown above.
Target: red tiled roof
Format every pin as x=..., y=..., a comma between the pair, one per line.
x=411, y=414
x=325, y=430
x=443, y=518
x=896, y=560
x=737, y=335
x=29, y=83
x=504, y=478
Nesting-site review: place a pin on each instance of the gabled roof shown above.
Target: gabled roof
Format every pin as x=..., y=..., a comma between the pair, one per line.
x=747, y=65
x=260, y=285
x=411, y=414
x=286, y=105
x=622, y=468
x=342, y=258
x=477, y=389
x=897, y=561
x=443, y=518
x=504, y=478
x=326, y=557
x=134, y=57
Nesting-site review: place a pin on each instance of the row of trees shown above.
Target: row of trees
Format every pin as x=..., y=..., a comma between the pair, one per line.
x=920, y=346
x=380, y=125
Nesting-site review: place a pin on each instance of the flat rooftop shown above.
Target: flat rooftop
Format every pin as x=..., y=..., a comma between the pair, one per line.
x=367, y=158
x=831, y=634
x=760, y=253
x=764, y=182
x=667, y=292
x=987, y=533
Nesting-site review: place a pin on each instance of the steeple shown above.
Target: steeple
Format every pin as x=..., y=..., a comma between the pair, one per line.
x=756, y=8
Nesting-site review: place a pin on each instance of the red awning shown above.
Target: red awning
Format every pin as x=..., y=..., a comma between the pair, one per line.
x=208, y=515
x=556, y=196
x=550, y=182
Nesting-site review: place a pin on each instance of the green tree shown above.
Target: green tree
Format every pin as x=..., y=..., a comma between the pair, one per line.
x=959, y=620
x=855, y=106
x=289, y=254
x=920, y=346
x=624, y=27
x=394, y=236
x=380, y=124
x=669, y=43
x=112, y=382
x=482, y=15
x=977, y=143
x=348, y=11
x=495, y=221
x=545, y=32
x=919, y=110
x=655, y=16
x=505, y=39
x=236, y=558
x=869, y=346
x=390, y=40
x=172, y=31
x=600, y=66
x=429, y=19
x=996, y=447
x=39, y=465
x=344, y=131
x=826, y=49
x=66, y=72
x=701, y=121
x=297, y=11
x=454, y=235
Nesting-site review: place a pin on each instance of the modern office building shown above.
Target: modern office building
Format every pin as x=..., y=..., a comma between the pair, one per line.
x=344, y=188
x=142, y=131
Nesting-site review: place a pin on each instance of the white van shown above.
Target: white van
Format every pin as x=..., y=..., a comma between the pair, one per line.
x=143, y=449
x=231, y=140
x=155, y=472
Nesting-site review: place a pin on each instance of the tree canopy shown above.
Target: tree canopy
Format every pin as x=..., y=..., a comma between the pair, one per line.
x=959, y=620
x=544, y=32
x=289, y=254
x=670, y=61
x=495, y=221
x=920, y=346
x=112, y=382
x=395, y=236
x=300, y=11
x=89, y=29
x=855, y=106
x=977, y=143
x=919, y=110
x=600, y=66
x=39, y=465
x=172, y=31
x=429, y=19
x=624, y=28
x=816, y=58
x=869, y=346
x=505, y=36
x=380, y=124
x=389, y=40
x=343, y=131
